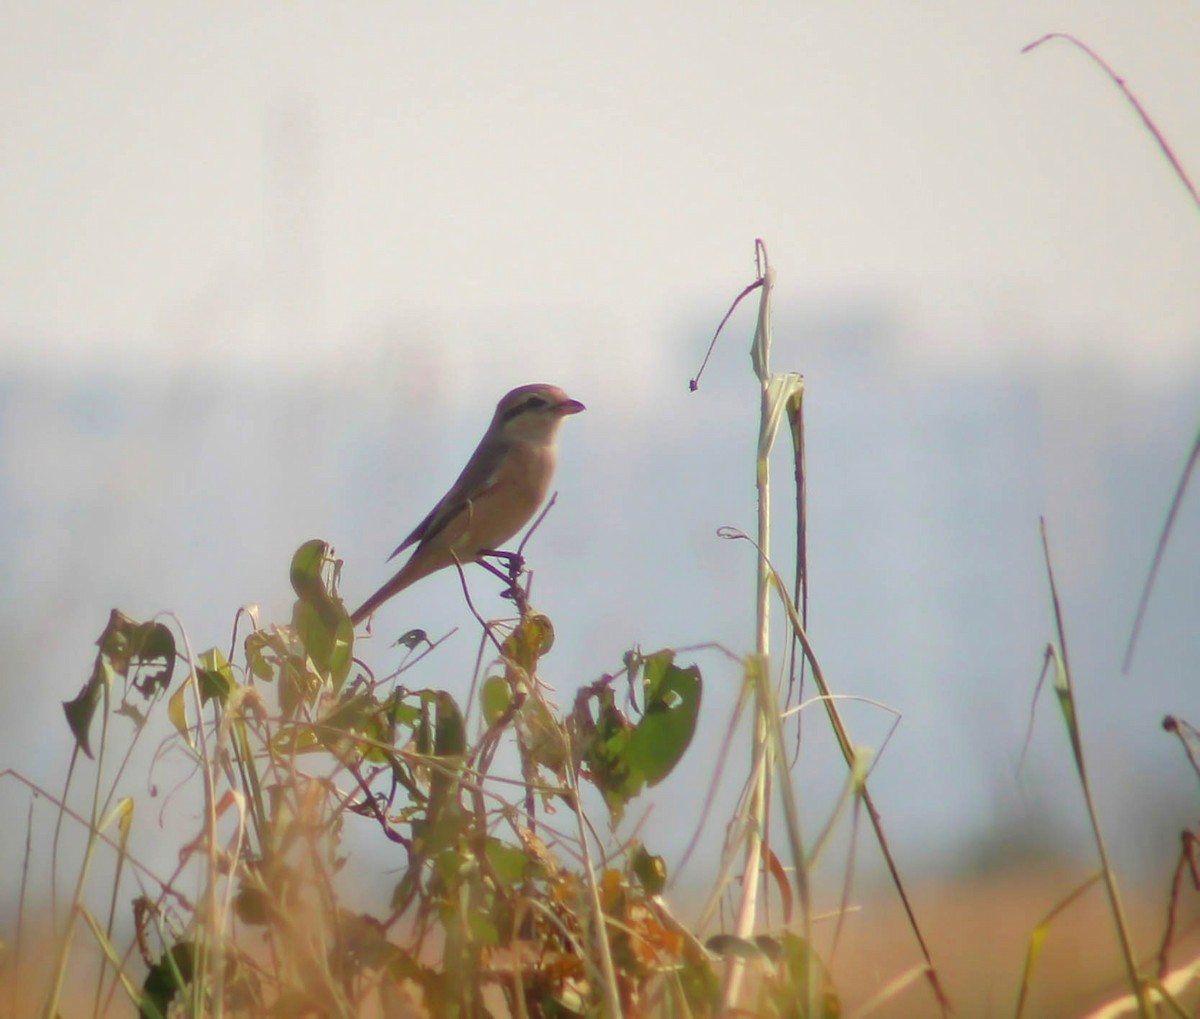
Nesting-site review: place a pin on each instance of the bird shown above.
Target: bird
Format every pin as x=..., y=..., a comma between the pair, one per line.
x=497, y=493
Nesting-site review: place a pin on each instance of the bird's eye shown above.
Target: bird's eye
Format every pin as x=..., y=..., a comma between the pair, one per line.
x=536, y=403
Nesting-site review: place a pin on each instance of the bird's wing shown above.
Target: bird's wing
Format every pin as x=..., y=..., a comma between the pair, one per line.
x=419, y=531
x=478, y=478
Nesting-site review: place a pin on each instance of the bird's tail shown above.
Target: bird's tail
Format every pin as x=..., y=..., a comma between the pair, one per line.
x=377, y=599
x=423, y=562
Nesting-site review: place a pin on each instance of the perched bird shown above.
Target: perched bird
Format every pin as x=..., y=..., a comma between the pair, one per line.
x=498, y=492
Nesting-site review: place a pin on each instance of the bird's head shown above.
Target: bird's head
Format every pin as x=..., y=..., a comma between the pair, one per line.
x=533, y=412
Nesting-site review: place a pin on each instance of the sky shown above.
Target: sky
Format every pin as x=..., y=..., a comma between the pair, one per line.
x=267, y=267
x=235, y=175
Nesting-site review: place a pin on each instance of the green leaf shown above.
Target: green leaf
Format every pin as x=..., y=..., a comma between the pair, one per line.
x=402, y=712
x=440, y=836
x=308, y=562
x=319, y=618
x=672, y=707
x=82, y=709
x=532, y=638
x=171, y=974
x=509, y=863
x=650, y=870
x=261, y=654
x=605, y=750
x=623, y=757
x=141, y=653
x=215, y=675
x=495, y=698
x=449, y=744
x=450, y=737
x=483, y=929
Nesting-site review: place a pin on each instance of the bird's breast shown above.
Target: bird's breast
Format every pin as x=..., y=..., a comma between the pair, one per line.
x=519, y=488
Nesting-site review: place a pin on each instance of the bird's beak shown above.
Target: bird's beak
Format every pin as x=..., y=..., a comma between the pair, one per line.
x=570, y=407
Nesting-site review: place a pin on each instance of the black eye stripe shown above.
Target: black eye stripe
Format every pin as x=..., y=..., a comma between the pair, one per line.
x=529, y=403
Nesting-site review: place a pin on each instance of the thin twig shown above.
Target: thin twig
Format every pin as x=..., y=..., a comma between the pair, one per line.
x=1187, y=736
x=1182, y=174
x=694, y=381
x=1186, y=865
x=1047, y=660
x=537, y=523
x=466, y=590
x=1136, y=986
x=1147, y=120
x=1159, y=550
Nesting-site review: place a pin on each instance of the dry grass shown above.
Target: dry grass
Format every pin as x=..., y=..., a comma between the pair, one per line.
x=979, y=931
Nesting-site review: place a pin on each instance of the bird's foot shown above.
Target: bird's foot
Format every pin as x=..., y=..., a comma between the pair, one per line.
x=514, y=564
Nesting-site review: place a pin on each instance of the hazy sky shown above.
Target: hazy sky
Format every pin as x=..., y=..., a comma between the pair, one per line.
x=391, y=213
x=230, y=179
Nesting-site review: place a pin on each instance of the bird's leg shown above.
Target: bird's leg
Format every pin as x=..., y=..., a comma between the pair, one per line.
x=495, y=571
x=514, y=563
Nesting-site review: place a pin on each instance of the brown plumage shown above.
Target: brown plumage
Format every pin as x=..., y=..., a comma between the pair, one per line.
x=497, y=493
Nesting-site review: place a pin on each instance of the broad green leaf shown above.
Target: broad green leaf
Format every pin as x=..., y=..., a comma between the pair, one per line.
x=495, y=698
x=605, y=750
x=141, y=653
x=132, y=648
x=671, y=709
x=621, y=756
x=320, y=619
x=308, y=561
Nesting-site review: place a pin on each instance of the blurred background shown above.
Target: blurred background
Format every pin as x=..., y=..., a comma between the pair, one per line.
x=266, y=268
